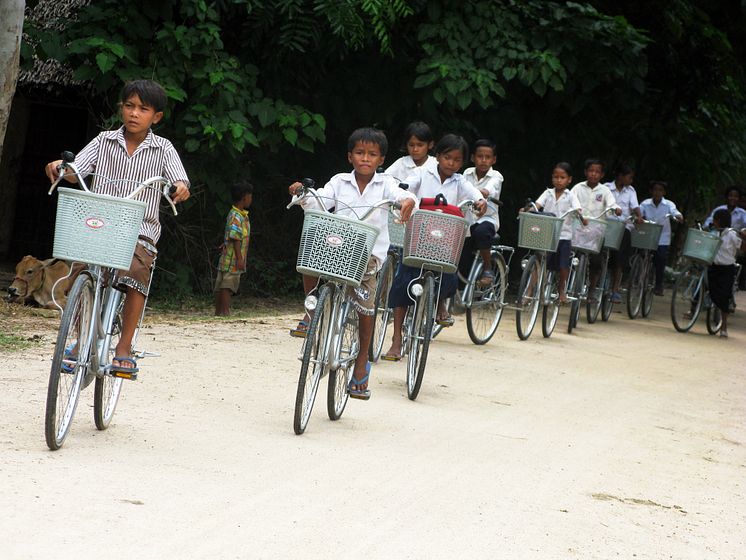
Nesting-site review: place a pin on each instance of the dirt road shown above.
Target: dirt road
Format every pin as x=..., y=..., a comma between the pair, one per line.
x=624, y=440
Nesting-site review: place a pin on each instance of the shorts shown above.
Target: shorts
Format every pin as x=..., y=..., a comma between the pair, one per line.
x=140, y=272
x=720, y=278
x=228, y=281
x=482, y=236
x=620, y=258
x=560, y=259
x=399, y=294
x=364, y=296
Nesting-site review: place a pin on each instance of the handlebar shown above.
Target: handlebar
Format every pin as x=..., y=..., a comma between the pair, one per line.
x=307, y=188
x=166, y=190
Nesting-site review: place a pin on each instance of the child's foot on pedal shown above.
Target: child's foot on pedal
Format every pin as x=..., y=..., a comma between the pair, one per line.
x=394, y=353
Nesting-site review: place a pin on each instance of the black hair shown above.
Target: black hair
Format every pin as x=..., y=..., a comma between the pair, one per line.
x=451, y=142
x=623, y=169
x=733, y=188
x=485, y=143
x=150, y=93
x=564, y=166
x=593, y=161
x=722, y=217
x=419, y=130
x=240, y=189
x=661, y=183
x=368, y=135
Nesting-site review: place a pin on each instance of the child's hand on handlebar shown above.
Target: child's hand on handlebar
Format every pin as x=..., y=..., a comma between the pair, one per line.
x=407, y=206
x=295, y=188
x=182, y=192
x=618, y=211
x=52, y=170
x=481, y=207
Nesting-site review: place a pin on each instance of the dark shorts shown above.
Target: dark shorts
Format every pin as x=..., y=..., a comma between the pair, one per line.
x=481, y=238
x=720, y=278
x=561, y=258
x=620, y=258
x=398, y=296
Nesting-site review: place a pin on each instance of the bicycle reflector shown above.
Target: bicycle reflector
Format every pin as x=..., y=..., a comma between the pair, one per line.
x=310, y=302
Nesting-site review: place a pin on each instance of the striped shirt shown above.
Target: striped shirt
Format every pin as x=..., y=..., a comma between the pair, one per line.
x=119, y=174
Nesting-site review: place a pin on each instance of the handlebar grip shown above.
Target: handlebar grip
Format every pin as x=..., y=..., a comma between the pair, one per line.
x=495, y=201
x=404, y=186
x=171, y=190
x=67, y=157
x=308, y=183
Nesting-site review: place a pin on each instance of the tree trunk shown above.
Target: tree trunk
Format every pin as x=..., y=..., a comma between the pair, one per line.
x=11, y=27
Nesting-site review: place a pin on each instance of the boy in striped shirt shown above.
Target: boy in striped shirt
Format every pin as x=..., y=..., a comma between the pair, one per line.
x=121, y=160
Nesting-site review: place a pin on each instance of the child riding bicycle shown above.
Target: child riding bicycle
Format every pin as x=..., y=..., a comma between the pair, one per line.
x=127, y=157
x=352, y=194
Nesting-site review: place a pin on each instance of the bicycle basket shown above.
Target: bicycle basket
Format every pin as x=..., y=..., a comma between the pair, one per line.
x=396, y=232
x=335, y=247
x=701, y=246
x=433, y=240
x=646, y=236
x=539, y=232
x=590, y=238
x=96, y=228
x=614, y=234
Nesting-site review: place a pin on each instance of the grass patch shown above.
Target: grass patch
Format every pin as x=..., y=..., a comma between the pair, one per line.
x=12, y=342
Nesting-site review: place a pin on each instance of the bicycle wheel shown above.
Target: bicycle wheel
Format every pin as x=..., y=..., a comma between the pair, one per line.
x=649, y=289
x=437, y=329
x=551, y=304
x=315, y=361
x=714, y=318
x=70, y=362
x=422, y=328
x=486, y=309
x=606, y=304
x=339, y=379
x=595, y=300
x=687, y=297
x=107, y=389
x=528, y=298
x=635, y=287
x=577, y=292
x=382, y=312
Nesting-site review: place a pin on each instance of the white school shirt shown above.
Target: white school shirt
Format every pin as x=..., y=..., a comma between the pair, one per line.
x=342, y=193
x=657, y=214
x=425, y=183
x=729, y=248
x=405, y=166
x=737, y=217
x=558, y=206
x=594, y=200
x=493, y=183
x=626, y=198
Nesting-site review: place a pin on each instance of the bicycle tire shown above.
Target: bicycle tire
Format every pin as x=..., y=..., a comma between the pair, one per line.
x=337, y=394
x=593, y=308
x=635, y=287
x=316, y=344
x=438, y=328
x=550, y=313
x=648, y=294
x=607, y=306
x=382, y=313
x=422, y=325
x=687, y=297
x=108, y=388
x=578, y=283
x=483, y=315
x=714, y=319
x=63, y=390
x=528, y=299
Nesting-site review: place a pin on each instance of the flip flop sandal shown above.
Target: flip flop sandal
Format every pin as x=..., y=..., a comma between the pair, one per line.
x=301, y=330
x=447, y=322
x=68, y=359
x=391, y=357
x=362, y=394
x=124, y=372
x=486, y=279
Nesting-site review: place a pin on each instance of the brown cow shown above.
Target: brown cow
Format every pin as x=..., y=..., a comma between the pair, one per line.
x=35, y=279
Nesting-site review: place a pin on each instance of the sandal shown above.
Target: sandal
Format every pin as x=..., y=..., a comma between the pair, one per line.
x=391, y=357
x=69, y=361
x=362, y=394
x=301, y=330
x=486, y=279
x=446, y=321
x=122, y=371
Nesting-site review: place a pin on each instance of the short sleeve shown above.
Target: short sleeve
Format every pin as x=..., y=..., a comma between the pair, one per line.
x=173, y=169
x=543, y=199
x=87, y=158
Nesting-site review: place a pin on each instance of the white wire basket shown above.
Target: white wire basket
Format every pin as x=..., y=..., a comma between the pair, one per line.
x=539, y=232
x=701, y=246
x=590, y=238
x=96, y=228
x=614, y=234
x=335, y=247
x=396, y=232
x=646, y=236
x=433, y=240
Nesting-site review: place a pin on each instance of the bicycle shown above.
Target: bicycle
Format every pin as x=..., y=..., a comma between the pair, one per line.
x=539, y=233
x=641, y=281
x=432, y=243
x=101, y=232
x=691, y=290
x=336, y=249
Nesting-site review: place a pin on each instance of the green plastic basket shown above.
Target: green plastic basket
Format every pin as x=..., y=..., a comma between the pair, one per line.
x=396, y=232
x=590, y=238
x=539, y=232
x=701, y=246
x=96, y=228
x=614, y=234
x=646, y=236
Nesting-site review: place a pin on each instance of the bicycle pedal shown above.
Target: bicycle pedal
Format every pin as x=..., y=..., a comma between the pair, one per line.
x=124, y=375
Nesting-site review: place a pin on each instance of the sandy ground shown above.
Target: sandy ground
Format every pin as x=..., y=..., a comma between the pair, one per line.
x=624, y=440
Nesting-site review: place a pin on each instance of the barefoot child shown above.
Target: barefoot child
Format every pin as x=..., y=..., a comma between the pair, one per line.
x=418, y=139
x=235, y=248
x=127, y=157
x=722, y=271
x=352, y=194
x=558, y=200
